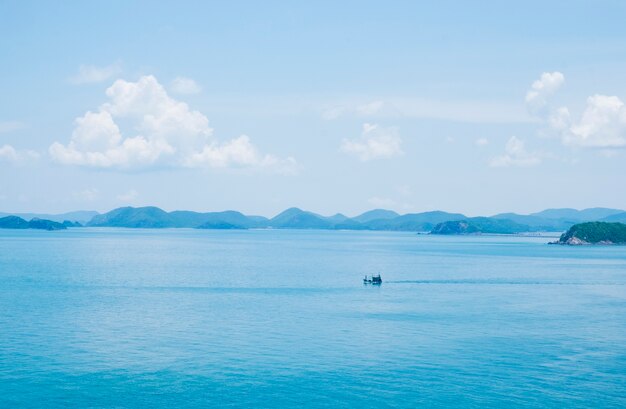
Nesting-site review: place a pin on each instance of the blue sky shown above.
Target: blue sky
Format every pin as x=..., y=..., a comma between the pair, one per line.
x=478, y=108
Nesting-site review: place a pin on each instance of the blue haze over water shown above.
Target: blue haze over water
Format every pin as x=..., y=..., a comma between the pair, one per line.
x=267, y=318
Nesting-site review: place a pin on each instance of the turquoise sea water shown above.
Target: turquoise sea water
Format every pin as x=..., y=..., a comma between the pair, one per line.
x=188, y=318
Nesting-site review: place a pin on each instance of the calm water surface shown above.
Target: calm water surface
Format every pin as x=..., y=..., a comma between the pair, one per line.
x=186, y=318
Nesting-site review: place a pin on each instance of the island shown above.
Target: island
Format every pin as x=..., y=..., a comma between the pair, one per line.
x=593, y=233
x=15, y=222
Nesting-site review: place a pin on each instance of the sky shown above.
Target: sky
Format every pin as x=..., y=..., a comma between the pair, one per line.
x=472, y=107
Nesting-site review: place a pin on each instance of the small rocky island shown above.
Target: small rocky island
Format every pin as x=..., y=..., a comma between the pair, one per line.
x=594, y=233
x=14, y=222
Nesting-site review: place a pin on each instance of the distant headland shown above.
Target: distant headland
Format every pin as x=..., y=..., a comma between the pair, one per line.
x=594, y=233
x=15, y=222
x=434, y=222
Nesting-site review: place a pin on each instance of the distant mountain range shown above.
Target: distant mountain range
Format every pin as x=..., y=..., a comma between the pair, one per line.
x=81, y=216
x=437, y=222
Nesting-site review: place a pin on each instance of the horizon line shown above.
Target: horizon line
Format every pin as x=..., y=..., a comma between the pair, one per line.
x=308, y=211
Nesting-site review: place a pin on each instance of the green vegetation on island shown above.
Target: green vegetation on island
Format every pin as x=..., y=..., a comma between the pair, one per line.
x=594, y=233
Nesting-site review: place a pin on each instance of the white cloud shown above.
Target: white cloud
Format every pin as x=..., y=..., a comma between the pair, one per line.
x=542, y=89
x=87, y=195
x=515, y=154
x=481, y=142
x=374, y=142
x=169, y=133
x=238, y=152
x=10, y=126
x=129, y=196
x=10, y=154
x=602, y=124
x=91, y=73
x=7, y=152
x=185, y=86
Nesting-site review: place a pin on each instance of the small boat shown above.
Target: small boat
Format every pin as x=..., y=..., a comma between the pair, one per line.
x=375, y=279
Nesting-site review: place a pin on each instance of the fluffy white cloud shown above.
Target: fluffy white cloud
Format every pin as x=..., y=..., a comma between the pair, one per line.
x=10, y=154
x=481, y=142
x=91, y=73
x=374, y=142
x=602, y=124
x=515, y=154
x=169, y=133
x=540, y=90
x=238, y=152
x=185, y=86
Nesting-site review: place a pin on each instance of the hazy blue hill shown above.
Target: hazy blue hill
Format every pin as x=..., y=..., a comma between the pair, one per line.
x=338, y=218
x=594, y=233
x=232, y=217
x=153, y=217
x=376, y=214
x=565, y=213
x=536, y=223
x=592, y=214
x=183, y=218
x=476, y=225
x=295, y=218
x=42, y=224
x=260, y=220
x=619, y=217
x=350, y=224
x=414, y=221
x=14, y=222
x=80, y=216
x=144, y=217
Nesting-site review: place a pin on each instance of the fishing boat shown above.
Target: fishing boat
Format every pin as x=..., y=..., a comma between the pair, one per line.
x=374, y=279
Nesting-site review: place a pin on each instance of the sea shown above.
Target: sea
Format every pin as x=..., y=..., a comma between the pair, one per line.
x=184, y=318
